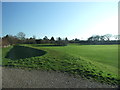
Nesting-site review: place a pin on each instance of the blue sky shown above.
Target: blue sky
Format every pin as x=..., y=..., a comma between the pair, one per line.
x=60, y=19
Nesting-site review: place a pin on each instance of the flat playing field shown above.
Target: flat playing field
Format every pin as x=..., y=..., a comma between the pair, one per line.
x=98, y=62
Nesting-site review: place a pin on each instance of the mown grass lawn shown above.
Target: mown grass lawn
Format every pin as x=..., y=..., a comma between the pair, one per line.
x=98, y=62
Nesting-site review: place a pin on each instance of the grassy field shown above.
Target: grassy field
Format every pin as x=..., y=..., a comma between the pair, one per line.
x=98, y=62
x=0, y=55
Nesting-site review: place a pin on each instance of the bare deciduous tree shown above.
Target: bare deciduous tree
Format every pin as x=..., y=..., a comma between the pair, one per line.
x=21, y=35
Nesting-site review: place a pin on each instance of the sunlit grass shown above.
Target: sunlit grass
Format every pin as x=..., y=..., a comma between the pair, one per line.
x=98, y=62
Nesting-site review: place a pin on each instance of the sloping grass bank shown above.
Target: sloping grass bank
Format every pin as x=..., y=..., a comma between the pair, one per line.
x=70, y=59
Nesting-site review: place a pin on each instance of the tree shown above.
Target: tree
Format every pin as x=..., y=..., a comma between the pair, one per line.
x=45, y=38
x=76, y=40
x=34, y=37
x=5, y=41
x=9, y=40
x=52, y=39
x=38, y=41
x=108, y=36
x=66, y=39
x=90, y=38
x=21, y=36
x=61, y=42
x=30, y=41
x=102, y=38
x=117, y=37
x=12, y=39
x=59, y=39
x=96, y=38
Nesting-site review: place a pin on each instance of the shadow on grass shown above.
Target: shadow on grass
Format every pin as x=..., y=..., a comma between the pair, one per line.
x=46, y=45
x=21, y=52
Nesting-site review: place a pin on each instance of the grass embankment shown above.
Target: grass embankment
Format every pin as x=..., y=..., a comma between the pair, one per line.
x=98, y=62
x=0, y=56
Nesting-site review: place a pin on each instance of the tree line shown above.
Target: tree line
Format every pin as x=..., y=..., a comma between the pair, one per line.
x=95, y=39
x=104, y=39
x=20, y=39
